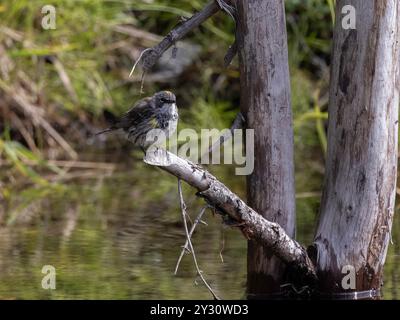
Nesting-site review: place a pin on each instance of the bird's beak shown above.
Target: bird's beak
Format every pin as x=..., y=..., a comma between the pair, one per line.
x=174, y=110
x=173, y=107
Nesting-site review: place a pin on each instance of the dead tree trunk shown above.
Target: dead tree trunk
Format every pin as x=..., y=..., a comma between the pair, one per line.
x=265, y=94
x=359, y=193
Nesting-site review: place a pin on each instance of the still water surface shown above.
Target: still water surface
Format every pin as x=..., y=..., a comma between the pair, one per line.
x=118, y=237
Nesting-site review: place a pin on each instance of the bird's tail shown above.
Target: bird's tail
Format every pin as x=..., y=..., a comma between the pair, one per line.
x=105, y=131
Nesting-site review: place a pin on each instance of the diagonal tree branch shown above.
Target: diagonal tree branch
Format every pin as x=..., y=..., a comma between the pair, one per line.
x=228, y=204
x=150, y=56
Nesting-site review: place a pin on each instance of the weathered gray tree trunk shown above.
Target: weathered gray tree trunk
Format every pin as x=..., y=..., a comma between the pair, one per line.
x=360, y=183
x=265, y=94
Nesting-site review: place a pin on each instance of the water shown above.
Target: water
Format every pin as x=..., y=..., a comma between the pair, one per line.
x=119, y=237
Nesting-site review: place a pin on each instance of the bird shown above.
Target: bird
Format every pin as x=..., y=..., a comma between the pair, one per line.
x=156, y=112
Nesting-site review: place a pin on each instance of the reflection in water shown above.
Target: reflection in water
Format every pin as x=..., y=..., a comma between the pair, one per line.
x=119, y=238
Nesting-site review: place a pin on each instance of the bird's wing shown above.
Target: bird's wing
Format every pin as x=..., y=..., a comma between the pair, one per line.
x=141, y=111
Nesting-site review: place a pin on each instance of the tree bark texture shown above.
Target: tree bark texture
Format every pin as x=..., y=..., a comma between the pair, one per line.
x=265, y=93
x=359, y=191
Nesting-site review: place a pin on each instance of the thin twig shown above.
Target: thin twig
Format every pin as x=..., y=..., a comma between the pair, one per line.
x=230, y=54
x=183, y=210
x=238, y=123
x=185, y=247
x=230, y=10
x=222, y=244
x=232, y=50
x=142, y=82
x=137, y=62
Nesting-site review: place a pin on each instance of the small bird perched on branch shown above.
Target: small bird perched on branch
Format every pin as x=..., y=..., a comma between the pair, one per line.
x=158, y=113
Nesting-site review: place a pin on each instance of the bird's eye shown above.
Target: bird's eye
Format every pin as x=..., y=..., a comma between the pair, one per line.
x=163, y=100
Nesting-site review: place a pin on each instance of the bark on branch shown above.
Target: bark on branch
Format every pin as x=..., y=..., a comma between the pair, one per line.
x=252, y=224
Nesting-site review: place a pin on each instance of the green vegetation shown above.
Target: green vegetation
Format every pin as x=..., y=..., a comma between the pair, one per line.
x=56, y=83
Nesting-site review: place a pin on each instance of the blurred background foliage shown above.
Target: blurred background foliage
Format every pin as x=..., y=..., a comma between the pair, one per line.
x=88, y=204
x=55, y=84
